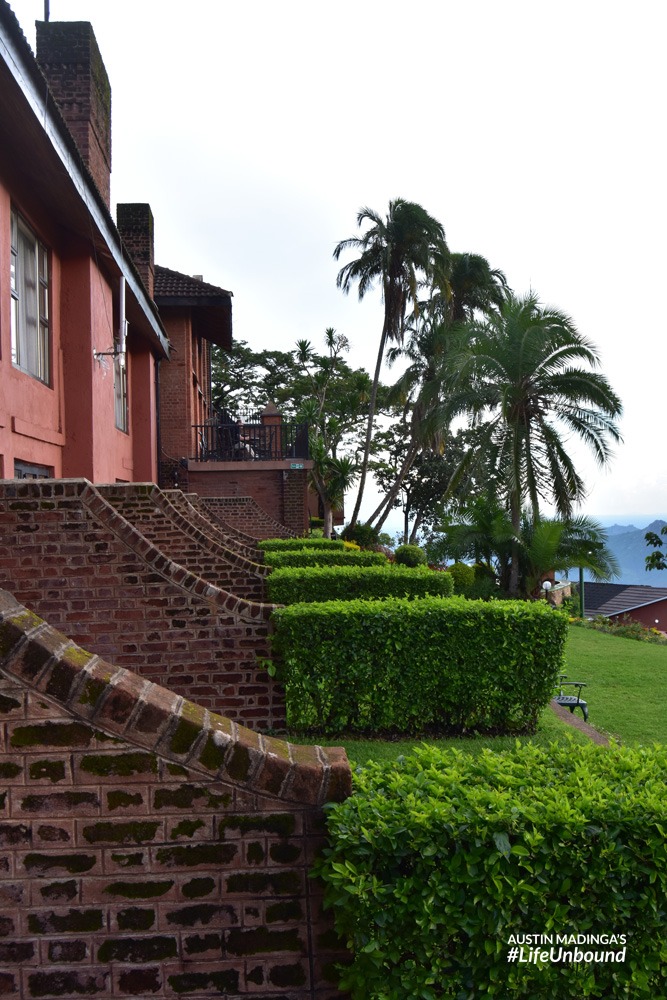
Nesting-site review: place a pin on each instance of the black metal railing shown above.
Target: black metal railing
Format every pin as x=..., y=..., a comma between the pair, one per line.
x=241, y=442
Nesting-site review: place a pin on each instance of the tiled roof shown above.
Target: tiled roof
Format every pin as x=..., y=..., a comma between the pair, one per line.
x=173, y=284
x=617, y=598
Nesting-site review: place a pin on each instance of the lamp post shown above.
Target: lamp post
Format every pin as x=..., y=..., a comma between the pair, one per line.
x=546, y=587
x=581, y=591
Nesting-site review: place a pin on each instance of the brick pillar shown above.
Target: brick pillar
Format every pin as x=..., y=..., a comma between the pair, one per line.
x=69, y=58
x=135, y=224
x=295, y=501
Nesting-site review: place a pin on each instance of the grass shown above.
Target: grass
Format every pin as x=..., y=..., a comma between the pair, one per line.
x=627, y=684
x=549, y=730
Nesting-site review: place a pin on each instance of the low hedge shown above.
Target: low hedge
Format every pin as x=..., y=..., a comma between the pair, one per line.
x=292, y=584
x=404, y=665
x=322, y=557
x=296, y=544
x=441, y=862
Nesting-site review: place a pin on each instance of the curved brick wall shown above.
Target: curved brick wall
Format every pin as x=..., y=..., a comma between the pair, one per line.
x=66, y=553
x=148, y=847
x=189, y=506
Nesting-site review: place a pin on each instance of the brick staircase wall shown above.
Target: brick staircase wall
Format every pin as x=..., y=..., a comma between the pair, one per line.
x=66, y=553
x=189, y=505
x=146, y=507
x=149, y=848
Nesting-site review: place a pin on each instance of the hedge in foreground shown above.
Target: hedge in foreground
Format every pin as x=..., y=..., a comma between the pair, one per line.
x=290, y=585
x=296, y=544
x=403, y=665
x=322, y=557
x=439, y=859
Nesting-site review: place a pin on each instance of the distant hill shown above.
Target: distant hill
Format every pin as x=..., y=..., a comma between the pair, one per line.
x=629, y=546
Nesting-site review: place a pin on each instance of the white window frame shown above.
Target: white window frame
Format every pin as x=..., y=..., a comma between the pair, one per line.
x=30, y=301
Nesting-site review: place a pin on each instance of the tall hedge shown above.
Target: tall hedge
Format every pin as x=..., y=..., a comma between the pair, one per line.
x=403, y=665
x=290, y=585
x=296, y=544
x=322, y=557
x=439, y=859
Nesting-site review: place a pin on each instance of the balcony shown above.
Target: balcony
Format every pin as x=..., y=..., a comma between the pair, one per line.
x=264, y=439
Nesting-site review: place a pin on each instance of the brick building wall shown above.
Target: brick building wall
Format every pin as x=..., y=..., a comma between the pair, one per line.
x=69, y=555
x=147, y=847
x=243, y=516
x=193, y=509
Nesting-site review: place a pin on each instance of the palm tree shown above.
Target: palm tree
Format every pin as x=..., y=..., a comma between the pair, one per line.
x=555, y=544
x=526, y=376
x=398, y=253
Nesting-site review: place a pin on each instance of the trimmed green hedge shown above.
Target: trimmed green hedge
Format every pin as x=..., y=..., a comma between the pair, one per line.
x=402, y=665
x=296, y=544
x=321, y=557
x=438, y=859
x=291, y=584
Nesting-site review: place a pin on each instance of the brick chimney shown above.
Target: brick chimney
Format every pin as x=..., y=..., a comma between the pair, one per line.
x=135, y=225
x=69, y=58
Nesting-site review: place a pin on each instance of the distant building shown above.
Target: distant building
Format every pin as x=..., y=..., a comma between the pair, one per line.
x=647, y=605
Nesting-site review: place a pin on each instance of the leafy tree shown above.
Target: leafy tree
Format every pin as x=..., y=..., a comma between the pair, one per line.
x=657, y=559
x=525, y=378
x=398, y=253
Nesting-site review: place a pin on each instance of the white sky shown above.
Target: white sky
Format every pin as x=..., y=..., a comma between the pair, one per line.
x=532, y=130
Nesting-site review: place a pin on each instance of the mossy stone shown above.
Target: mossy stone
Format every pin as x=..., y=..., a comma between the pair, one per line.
x=188, y=856
x=185, y=797
x=139, y=890
x=287, y=975
x=59, y=890
x=280, y=883
x=120, y=800
x=281, y=824
x=256, y=940
x=120, y=833
x=202, y=913
x=255, y=853
x=224, y=982
x=128, y=860
x=135, y=919
x=137, y=949
x=195, y=944
x=54, y=770
x=56, y=801
x=52, y=734
x=282, y=912
x=198, y=887
x=8, y=704
x=9, y=770
x=187, y=827
x=120, y=764
x=75, y=864
x=284, y=854
x=212, y=757
x=74, y=922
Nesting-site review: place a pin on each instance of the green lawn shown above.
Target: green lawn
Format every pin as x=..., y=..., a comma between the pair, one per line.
x=627, y=684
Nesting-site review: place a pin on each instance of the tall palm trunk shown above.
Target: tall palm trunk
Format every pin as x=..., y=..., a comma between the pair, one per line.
x=369, y=429
x=382, y=511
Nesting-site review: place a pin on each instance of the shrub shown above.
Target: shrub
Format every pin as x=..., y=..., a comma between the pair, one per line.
x=296, y=544
x=404, y=665
x=363, y=534
x=438, y=858
x=410, y=555
x=323, y=557
x=329, y=583
x=463, y=576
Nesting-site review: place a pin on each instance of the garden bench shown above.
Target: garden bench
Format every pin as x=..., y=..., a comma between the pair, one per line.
x=571, y=701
